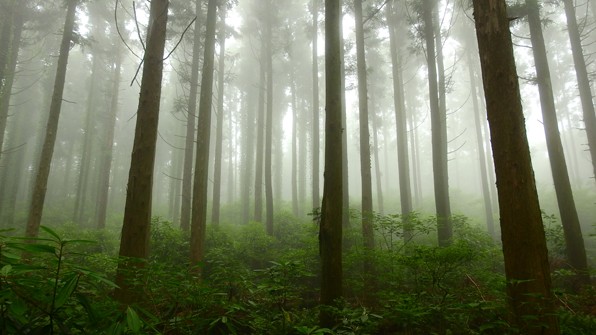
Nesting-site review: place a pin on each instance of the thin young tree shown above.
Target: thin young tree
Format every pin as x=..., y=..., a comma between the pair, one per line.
x=47, y=150
x=330, y=234
x=269, y=127
x=199, y=196
x=134, y=243
x=316, y=202
x=522, y=232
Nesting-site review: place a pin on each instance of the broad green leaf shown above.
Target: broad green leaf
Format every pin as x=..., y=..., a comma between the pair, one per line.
x=115, y=329
x=10, y=255
x=18, y=306
x=102, y=279
x=51, y=232
x=133, y=320
x=224, y=319
x=5, y=270
x=66, y=292
x=37, y=248
x=85, y=303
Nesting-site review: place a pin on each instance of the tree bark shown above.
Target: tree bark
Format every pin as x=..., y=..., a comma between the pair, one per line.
x=199, y=206
x=524, y=244
x=344, y=136
x=269, y=127
x=365, y=164
x=137, y=213
x=185, y=209
x=576, y=252
x=47, y=151
x=316, y=202
x=248, y=159
x=405, y=194
x=258, y=216
x=378, y=179
x=220, y=111
x=438, y=129
x=295, y=210
x=330, y=234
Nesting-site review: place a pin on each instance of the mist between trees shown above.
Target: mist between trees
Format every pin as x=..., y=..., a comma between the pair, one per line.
x=297, y=167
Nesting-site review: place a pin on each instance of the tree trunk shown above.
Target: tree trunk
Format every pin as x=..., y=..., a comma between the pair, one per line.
x=330, y=234
x=316, y=202
x=365, y=168
x=248, y=158
x=405, y=194
x=258, y=217
x=232, y=143
x=137, y=213
x=6, y=88
x=344, y=136
x=295, y=210
x=269, y=127
x=488, y=208
x=583, y=82
x=199, y=206
x=524, y=245
x=6, y=28
x=220, y=111
x=378, y=176
x=45, y=160
x=190, y=124
x=86, y=155
x=576, y=252
x=438, y=129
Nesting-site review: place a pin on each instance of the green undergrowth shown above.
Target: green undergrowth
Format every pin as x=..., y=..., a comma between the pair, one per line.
x=252, y=283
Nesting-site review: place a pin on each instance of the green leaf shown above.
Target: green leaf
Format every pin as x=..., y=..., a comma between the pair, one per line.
x=66, y=292
x=10, y=255
x=37, y=248
x=132, y=318
x=364, y=318
x=115, y=329
x=5, y=270
x=18, y=306
x=102, y=279
x=78, y=241
x=484, y=327
x=85, y=303
x=224, y=319
x=51, y=232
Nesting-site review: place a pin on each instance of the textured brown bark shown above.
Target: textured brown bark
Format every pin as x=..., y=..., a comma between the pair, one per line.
x=365, y=164
x=576, y=252
x=488, y=208
x=190, y=124
x=330, y=234
x=220, y=111
x=137, y=213
x=199, y=196
x=47, y=151
x=108, y=144
x=524, y=245
x=316, y=201
x=583, y=83
x=438, y=129
x=403, y=161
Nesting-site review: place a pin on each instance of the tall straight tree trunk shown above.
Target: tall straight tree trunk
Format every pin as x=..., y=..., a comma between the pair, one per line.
x=108, y=145
x=199, y=197
x=231, y=158
x=576, y=252
x=86, y=155
x=6, y=28
x=365, y=168
x=137, y=213
x=258, y=217
x=522, y=232
x=344, y=136
x=248, y=158
x=190, y=124
x=47, y=151
x=316, y=202
x=295, y=210
x=415, y=166
x=488, y=208
x=583, y=83
x=403, y=163
x=439, y=145
x=6, y=88
x=269, y=127
x=330, y=234
x=220, y=111
x=378, y=176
